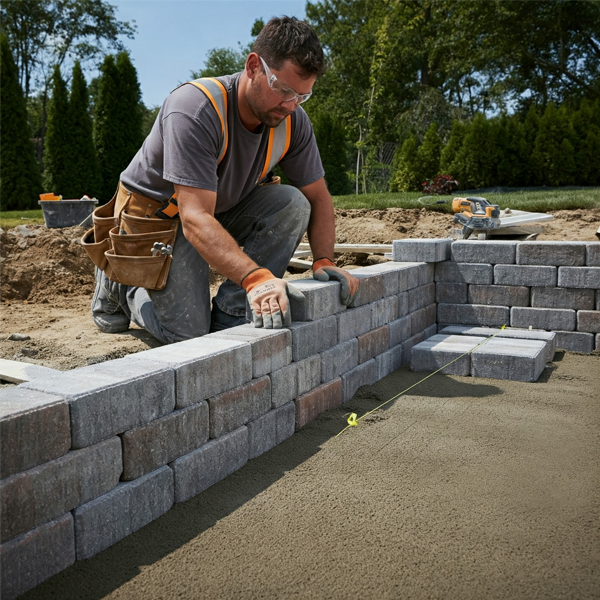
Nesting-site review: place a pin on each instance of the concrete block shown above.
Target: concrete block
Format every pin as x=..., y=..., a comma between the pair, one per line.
x=373, y=343
x=473, y=314
x=499, y=295
x=47, y=491
x=592, y=254
x=388, y=362
x=573, y=298
x=409, y=277
x=549, y=337
x=207, y=465
x=389, y=276
x=383, y=311
x=308, y=374
x=575, y=341
x=453, y=272
x=421, y=250
x=422, y=318
x=409, y=344
x=354, y=322
x=322, y=298
x=109, y=398
x=551, y=253
x=35, y=556
x=579, y=277
x=236, y=407
x=430, y=331
x=451, y=293
x=588, y=320
x=310, y=405
x=313, y=337
x=370, y=287
x=151, y=446
x=551, y=319
x=34, y=428
x=439, y=350
x=402, y=303
x=488, y=251
x=421, y=296
x=338, y=360
x=597, y=299
x=597, y=347
x=525, y=275
x=271, y=429
x=204, y=367
x=364, y=374
x=125, y=509
x=15, y=371
x=294, y=380
x=399, y=330
x=513, y=359
x=426, y=273
x=271, y=348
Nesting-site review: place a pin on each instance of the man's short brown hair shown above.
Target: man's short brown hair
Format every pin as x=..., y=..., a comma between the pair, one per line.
x=288, y=38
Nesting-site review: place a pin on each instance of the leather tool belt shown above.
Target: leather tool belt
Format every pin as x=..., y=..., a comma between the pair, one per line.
x=129, y=243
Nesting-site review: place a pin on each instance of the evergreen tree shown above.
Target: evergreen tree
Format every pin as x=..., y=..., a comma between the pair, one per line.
x=512, y=152
x=57, y=171
x=83, y=165
x=586, y=127
x=333, y=147
x=530, y=130
x=429, y=153
x=406, y=175
x=131, y=108
x=452, y=147
x=20, y=181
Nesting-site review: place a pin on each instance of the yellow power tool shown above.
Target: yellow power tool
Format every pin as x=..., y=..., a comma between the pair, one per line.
x=476, y=215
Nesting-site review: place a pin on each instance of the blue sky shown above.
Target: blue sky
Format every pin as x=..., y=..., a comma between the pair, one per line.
x=174, y=36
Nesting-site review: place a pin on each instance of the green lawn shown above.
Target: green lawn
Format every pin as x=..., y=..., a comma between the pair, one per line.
x=12, y=218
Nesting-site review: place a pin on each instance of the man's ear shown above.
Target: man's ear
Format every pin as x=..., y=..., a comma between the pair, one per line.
x=252, y=65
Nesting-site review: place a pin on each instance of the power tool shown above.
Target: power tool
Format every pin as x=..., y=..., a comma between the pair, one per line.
x=476, y=215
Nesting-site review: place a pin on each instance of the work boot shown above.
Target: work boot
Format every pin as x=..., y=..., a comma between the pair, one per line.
x=106, y=309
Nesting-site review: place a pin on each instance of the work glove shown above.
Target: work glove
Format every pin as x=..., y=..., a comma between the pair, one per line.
x=269, y=299
x=324, y=270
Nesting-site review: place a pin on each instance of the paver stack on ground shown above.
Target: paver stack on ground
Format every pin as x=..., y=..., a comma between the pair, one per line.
x=91, y=455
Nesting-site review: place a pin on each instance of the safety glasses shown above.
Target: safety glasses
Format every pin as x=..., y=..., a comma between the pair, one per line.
x=284, y=92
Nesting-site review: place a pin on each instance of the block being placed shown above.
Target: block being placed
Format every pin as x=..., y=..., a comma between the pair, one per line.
x=389, y=276
x=313, y=337
x=527, y=275
x=35, y=556
x=354, y=322
x=388, y=362
x=473, y=314
x=34, y=428
x=322, y=298
x=422, y=318
x=451, y=293
x=271, y=429
x=338, y=360
x=399, y=330
x=421, y=250
x=421, y=296
x=310, y=405
x=364, y=374
x=588, y=321
x=151, y=446
x=579, y=277
x=125, y=509
x=488, y=251
x=506, y=358
x=575, y=341
x=572, y=298
x=551, y=319
x=373, y=343
x=439, y=350
x=370, y=287
x=453, y=272
x=271, y=348
x=592, y=254
x=383, y=311
x=207, y=465
x=294, y=380
x=551, y=253
x=499, y=295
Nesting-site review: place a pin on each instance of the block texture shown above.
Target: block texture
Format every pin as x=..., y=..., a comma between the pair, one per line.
x=294, y=380
x=499, y=295
x=572, y=298
x=550, y=319
x=409, y=277
x=364, y=374
x=370, y=287
x=409, y=344
x=422, y=318
x=309, y=406
x=313, y=337
x=525, y=275
x=388, y=362
x=551, y=253
x=452, y=272
x=383, y=311
x=338, y=360
x=421, y=250
x=399, y=330
x=473, y=314
x=579, y=277
x=592, y=254
x=389, y=276
x=451, y=293
x=488, y=251
x=426, y=273
x=589, y=321
x=421, y=296
x=575, y=341
x=373, y=343
x=322, y=298
x=354, y=322
x=271, y=429
x=439, y=350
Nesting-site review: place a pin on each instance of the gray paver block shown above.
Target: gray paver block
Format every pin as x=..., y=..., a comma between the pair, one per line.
x=313, y=337
x=402, y=303
x=592, y=254
x=34, y=428
x=409, y=277
x=35, y=556
x=373, y=343
x=151, y=446
x=370, y=287
x=389, y=276
x=421, y=250
x=551, y=253
x=421, y=296
x=236, y=407
x=527, y=275
x=597, y=299
x=551, y=319
x=399, y=330
x=271, y=348
x=451, y=293
x=388, y=362
x=453, y=272
x=125, y=509
x=588, y=321
x=506, y=358
x=426, y=273
x=354, y=322
x=573, y=298
x=383, y=311
x=42, y=493
x=579, y=277
x=338, y=360
x=19, y=372
x=207, y=465
x=488, y=251
x=409, y=344
x=271, y=429
x=108, y=398
x=439, y=350
x=422, y=318
x=322, y=298
x=308, y=374
x=294, y=380
x=575, y=341
x=473, y=314
x=204, y=367
x=430, y=331
x=310, y=405
x=364, y=374
x=499, y=295
x=597, y=347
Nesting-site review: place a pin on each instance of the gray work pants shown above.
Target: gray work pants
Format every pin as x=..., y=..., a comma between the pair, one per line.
x=269, y=223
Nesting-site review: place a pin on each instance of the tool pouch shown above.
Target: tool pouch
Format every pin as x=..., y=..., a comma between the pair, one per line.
x=121, y=241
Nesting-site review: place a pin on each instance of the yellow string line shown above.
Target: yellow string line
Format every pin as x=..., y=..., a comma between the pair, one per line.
x=353, y=421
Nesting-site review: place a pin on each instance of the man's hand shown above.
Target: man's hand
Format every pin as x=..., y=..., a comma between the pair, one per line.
x=324, y=270
x=268, y=297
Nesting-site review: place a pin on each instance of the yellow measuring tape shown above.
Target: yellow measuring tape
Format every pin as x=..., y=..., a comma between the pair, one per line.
x=353, y=419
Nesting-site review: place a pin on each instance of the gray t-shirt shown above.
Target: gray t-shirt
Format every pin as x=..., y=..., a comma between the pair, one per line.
x=183, y=148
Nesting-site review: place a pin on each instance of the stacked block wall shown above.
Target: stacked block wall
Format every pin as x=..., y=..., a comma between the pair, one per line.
x=94, y=454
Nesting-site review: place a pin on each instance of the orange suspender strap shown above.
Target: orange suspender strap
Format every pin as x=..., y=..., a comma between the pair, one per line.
x=269, y=163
